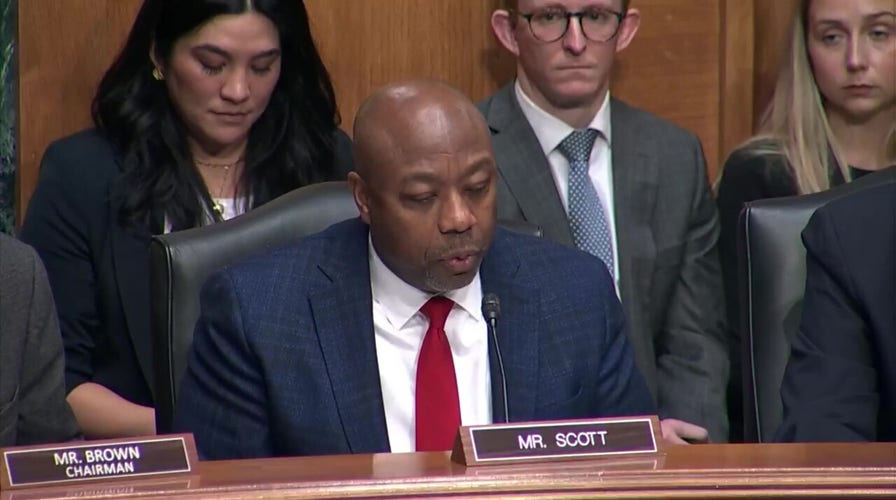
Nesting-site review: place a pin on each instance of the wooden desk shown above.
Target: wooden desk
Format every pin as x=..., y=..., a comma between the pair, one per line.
x=708, y=471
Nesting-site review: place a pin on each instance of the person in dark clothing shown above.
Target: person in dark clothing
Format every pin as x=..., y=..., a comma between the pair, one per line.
x=830, y=120
x=213, y=107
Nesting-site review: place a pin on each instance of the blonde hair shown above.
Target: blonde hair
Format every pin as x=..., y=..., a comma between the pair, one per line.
x=794, y=124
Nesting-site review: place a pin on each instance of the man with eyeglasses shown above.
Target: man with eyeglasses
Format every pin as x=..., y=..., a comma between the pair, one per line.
x=621, y=184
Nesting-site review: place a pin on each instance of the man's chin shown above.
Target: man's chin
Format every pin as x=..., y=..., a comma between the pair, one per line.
x=441, y=283
x=574, y=95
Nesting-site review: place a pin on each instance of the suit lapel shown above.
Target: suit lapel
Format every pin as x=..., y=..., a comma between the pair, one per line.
x=502, y=275
x=343, y=317
x=524, y=168
x=130, y=261
x=635, y=178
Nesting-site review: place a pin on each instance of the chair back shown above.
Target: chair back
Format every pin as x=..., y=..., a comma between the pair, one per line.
x=772, y=274
x=181, y=261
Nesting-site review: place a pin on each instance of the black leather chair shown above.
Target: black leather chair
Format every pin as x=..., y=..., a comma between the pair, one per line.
x=181, y=262
x=772, y=273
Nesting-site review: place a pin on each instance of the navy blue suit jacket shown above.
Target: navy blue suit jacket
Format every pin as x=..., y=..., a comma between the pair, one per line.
x=284, y=361
x=840, y=381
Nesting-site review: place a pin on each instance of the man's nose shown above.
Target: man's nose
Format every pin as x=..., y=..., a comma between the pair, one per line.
x=455, y=215
x=574, y=39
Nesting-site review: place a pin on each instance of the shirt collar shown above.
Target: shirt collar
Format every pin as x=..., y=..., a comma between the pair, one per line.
x=401, y=301
x=550, y=130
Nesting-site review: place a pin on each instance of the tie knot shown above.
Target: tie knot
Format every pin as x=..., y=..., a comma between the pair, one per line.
x=576, y=147
x=437, y=309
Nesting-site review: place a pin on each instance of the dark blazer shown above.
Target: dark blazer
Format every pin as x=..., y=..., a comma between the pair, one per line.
x=284, y=357
x=99, y=270
x=840, y=381
x=32, y=395
x=667, y=228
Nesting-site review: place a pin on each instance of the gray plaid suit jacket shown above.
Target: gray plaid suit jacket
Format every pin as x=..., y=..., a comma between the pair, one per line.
x=667, y=229
x=32, y=393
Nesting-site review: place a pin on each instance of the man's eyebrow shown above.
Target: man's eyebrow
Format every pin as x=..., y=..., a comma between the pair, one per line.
x=883, y=13
x=480, y=164
x=419, y=177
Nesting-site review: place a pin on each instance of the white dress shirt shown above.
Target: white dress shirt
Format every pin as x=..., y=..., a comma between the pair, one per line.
x=399, y=328
x=551, y=131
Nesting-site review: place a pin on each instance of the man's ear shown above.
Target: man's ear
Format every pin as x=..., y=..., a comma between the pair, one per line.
x=360, y=194
x=627, y=30
x=503, y=27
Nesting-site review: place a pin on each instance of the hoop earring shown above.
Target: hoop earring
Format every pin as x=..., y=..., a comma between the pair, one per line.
x=157, y=74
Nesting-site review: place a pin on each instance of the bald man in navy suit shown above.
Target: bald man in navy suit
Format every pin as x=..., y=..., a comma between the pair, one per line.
x=312, y=349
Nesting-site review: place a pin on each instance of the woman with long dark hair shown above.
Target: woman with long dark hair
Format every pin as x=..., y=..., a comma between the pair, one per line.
x=212, y=108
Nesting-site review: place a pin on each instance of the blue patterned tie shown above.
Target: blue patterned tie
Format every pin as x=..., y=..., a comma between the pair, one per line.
x=587, y=220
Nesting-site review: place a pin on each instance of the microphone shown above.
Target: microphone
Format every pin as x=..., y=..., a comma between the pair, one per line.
x=491, y=309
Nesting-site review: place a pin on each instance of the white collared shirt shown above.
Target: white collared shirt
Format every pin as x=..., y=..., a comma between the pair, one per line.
x=399, y=328
x=551, y=131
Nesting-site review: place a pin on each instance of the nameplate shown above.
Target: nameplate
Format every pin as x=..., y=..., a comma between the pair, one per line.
x=557, y=440
x=44, y=465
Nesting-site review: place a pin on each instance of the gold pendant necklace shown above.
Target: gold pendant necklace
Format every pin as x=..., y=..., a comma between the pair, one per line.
x=217, y=207
x=216, y=204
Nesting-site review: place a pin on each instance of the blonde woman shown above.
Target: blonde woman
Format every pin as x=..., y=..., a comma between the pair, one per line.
x=832, y=119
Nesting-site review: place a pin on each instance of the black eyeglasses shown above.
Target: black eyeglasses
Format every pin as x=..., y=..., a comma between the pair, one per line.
x=549, y=25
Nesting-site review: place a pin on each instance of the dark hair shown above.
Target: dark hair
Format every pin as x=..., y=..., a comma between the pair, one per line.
x=290, y=145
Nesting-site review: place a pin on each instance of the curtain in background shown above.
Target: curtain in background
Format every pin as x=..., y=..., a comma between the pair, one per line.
x=7, y=116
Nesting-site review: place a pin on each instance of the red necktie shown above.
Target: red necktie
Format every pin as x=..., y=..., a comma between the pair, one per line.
x=437, y=405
